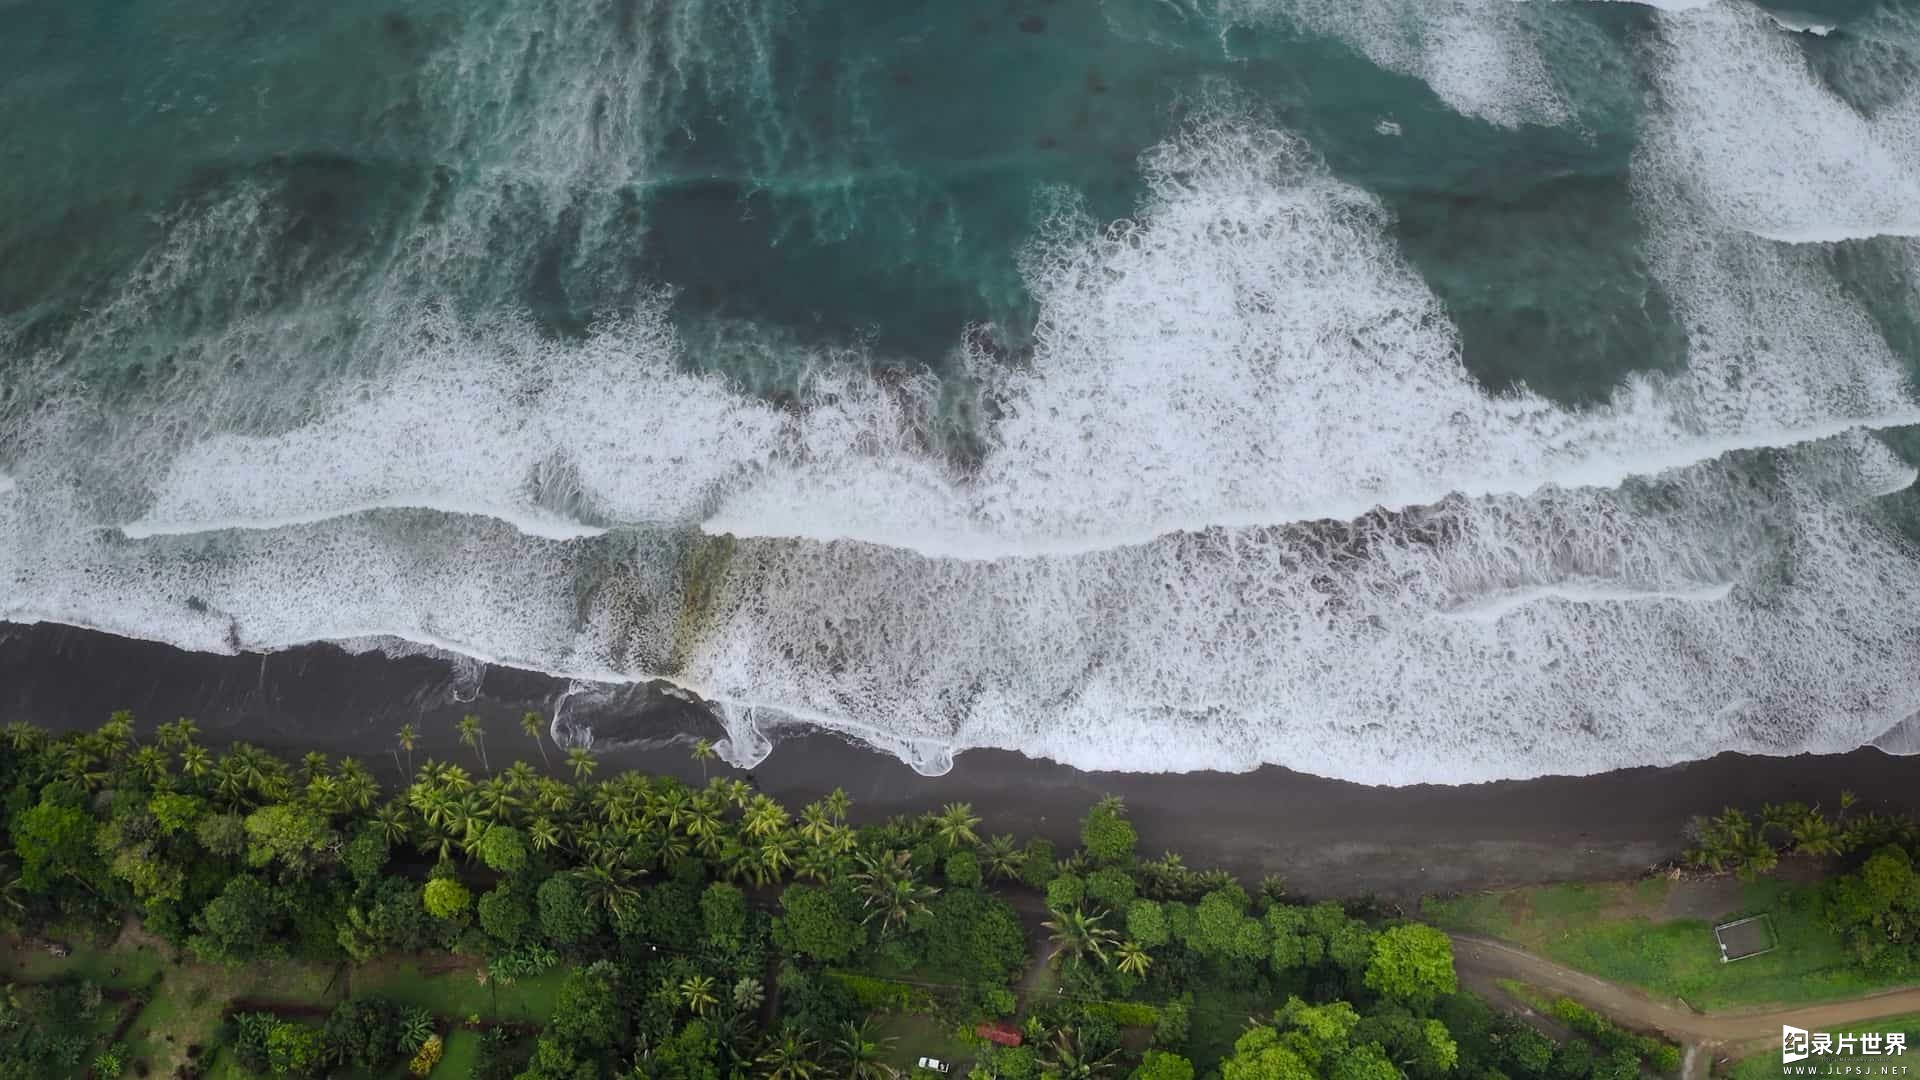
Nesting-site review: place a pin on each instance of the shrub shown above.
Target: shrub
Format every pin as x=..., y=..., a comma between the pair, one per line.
x=1125, y=1013
x=444, y=898
x=504, y=914
x=1065, y=892
x=876, y=995
x=1106, y=833
x=1036, y=863
x=963, y=870
x=427, y=1056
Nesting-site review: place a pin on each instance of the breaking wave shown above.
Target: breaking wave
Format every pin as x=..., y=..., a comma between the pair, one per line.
x=1238, y=495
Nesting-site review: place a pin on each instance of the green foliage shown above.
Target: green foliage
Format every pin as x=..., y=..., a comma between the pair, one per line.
x=53, y=842
x=1112, y=887
x=175, y=813
x=821, y=923
x=363, y=1033
x=289, y=833
x=1661, y=1057
x=883, y=995
x=962, y=870
x=504, y=849
x=1106, y=834
x=1221, y=927
x=223, y=834
x=975, y=937
x=1175, y=1023
x=565, y=918
x=1161, y=1065
x=1124, y=1013
x=1412, y=962
x=723, y=914
x=1036, y=863
x=445, y=898
x=365, y=855
x=1147, y=923
x=505, y=914
x=239, y=925
x=1876, y=911
x=1065, y=892
x=1260, y=1055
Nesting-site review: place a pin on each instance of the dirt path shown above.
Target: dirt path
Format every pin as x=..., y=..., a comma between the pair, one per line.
x=1482, y=962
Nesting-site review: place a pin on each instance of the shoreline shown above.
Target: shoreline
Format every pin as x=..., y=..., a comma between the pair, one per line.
x=1325, y=838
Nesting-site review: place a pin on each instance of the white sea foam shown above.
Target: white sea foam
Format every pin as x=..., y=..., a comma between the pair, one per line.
x=1341, y=649
x=1249, y=354
x=1476, y=55
x=500, y=422
x=1252, y=351
x=1766, y=147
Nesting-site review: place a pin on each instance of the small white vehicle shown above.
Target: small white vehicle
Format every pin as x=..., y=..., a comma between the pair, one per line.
x=935, y=1064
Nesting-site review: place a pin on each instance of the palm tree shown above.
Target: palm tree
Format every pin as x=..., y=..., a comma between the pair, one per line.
x=748, y=994
x=816, y=863
x=544, y=834
x=498, y=800
x=580, y=760
x=116, y=734
x=857, y=1054
x=838, y=805
x=357, y=785
x=890, y=891
x=454, y=779
x=815, y=823
x=703, y=752
x=12, y=892
x=1132, y=959
x=404, y=739
x=415, y=1029
x=314, y=763
x=533, y=724
x=696, y=993
x=195, y=761
x=954, y=825
x=1001, y=858
x=1812, y=832
x=737, y=791
x=324, y=793
x=607, y=883
x=776, y=852
x=764, y=817
x=178, y=733
x=520, y=778
x=150, y=763
x=391, y=821
x=475, y=738
x=1066, y=1059
x=1078, y=935
x=788, y=1057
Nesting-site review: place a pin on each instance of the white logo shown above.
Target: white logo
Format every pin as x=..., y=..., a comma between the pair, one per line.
x=1793, y=1044
x=1799, y=1044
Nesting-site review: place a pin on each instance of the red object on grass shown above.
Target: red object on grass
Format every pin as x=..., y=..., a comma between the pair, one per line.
x=999, y=1033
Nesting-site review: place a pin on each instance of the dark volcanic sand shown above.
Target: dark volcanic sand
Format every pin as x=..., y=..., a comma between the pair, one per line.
x=1325, y=837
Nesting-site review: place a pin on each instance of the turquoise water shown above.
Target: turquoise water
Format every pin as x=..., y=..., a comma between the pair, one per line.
x=1399, y=391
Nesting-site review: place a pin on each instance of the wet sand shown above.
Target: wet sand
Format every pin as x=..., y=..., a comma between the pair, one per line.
x=1326, y=838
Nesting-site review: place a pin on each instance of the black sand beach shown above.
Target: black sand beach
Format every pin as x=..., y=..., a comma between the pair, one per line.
x=1324, y=837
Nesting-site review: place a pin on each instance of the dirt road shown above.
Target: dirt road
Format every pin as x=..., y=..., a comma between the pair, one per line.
x=1483, y=962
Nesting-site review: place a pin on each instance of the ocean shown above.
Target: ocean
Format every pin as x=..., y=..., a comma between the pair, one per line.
x=1398, y=391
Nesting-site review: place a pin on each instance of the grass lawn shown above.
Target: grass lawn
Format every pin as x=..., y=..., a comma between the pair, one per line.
x=1627, y=932
x=1767, y=1065
x=1218, y=1018
x=918, y=1036
x=462, y=1056
x=454, y=993
x=187, y=998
